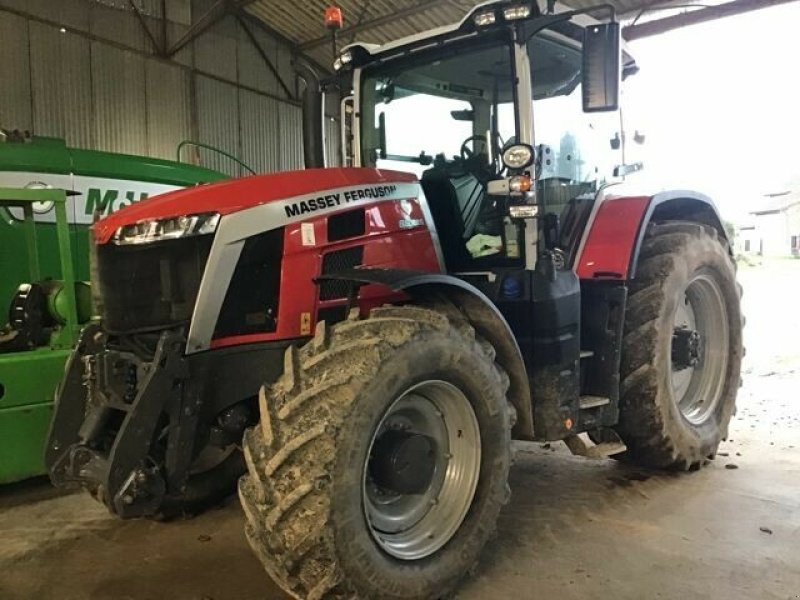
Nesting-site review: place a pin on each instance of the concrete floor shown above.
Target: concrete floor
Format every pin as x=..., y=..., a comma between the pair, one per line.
x=574, y=529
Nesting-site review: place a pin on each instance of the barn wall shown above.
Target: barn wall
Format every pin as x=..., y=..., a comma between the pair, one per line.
x=85, y=71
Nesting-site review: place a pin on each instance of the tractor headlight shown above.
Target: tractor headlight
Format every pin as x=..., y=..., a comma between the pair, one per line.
x=344, y=59
x=485, y=18
x=171, y=228
x=520, y=11
x=518, y=156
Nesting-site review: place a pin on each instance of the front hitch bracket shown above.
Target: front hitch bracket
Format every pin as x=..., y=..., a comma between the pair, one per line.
x=121, y=472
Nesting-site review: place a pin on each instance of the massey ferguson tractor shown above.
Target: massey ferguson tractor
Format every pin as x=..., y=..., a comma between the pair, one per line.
x=367, y=341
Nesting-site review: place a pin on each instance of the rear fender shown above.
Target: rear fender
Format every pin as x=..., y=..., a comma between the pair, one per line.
x=617, y=227
x=483, y=315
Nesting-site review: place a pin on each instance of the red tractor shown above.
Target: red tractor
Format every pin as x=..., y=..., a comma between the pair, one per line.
x=378, y=337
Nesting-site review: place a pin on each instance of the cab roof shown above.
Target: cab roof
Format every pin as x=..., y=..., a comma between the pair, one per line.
x=465, y=28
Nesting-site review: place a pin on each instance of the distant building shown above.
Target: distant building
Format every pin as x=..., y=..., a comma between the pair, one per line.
x=774, y=228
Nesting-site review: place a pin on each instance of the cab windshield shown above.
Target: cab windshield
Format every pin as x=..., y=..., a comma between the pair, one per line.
x=460, y=107
x=443, y=111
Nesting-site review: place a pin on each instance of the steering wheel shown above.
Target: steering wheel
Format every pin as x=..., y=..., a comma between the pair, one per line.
x=468, y=153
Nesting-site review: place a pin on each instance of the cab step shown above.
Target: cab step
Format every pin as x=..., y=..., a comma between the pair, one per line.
x=593, y=401
x=587, y=353
x=581, y=445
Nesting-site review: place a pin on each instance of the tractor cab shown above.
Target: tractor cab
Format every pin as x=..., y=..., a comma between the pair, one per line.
x=507, y=118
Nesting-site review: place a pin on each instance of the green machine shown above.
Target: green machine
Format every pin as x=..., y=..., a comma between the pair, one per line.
x=43, y=325
x=49, y=196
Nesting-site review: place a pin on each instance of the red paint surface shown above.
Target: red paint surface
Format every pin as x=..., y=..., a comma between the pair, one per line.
x=608, y=249
x=235, y=195
x=385, y=245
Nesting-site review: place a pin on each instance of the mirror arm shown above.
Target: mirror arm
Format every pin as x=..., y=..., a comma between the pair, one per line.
x=549, y=20
x=382, y=135
x=623, y=170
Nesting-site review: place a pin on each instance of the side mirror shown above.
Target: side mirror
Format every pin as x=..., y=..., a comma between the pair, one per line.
x=601, y=67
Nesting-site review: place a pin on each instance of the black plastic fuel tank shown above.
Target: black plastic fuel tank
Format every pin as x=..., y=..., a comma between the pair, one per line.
x=543, y=309
x=554, y=364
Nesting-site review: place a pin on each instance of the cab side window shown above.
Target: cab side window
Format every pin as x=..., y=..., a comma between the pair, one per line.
x=577, y=151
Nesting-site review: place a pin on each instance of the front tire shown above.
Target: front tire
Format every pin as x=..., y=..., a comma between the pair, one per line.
x=347, y=492
x=682, y=348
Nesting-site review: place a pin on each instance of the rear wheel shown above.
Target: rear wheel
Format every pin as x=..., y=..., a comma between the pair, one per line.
x=682, y=348
x=380, y=463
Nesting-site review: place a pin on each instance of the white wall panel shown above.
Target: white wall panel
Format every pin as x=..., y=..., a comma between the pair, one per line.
x=62, y=85
x=73, y=14
x=168, y=108
x=215, y=53
x=260, y=133
x=332, y=143
x=253, y=72
x=15, y=79
x=218, y=122
x=120, y=26
x=291, y=137
x=118, y=86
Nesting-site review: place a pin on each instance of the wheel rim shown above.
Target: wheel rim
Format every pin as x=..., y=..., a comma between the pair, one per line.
x=436, y=419
x=699, y=349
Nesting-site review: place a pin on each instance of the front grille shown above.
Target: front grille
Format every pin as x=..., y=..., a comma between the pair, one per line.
x=150, y=286
x=336, y=261
x=251, y=302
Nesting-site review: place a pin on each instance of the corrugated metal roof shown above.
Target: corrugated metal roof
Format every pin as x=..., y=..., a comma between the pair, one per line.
x=302, y=22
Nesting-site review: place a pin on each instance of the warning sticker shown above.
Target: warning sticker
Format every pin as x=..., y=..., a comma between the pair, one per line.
x=307, y=234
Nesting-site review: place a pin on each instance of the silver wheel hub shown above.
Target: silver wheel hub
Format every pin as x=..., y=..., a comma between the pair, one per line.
x=699, y=349
x=422, y=470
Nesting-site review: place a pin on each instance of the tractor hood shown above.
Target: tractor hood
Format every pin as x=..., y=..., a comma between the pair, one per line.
x=239, y=194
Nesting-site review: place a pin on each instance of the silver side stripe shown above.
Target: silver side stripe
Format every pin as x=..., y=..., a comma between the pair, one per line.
x=235, y=228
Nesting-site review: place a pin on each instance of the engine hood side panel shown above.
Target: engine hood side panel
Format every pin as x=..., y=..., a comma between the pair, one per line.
x=238, y=195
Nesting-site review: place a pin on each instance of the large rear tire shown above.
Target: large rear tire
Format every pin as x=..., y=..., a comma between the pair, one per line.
x=380, y=464
x=682, y=348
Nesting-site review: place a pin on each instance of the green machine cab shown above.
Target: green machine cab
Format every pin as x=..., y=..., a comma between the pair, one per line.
x=49, y=196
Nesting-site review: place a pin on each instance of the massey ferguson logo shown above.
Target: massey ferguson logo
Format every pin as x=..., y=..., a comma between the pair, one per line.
x=335, y=199
x=407, y=208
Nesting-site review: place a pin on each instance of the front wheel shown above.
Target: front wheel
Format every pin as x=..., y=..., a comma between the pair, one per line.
x=682, y=348
x=380, y=464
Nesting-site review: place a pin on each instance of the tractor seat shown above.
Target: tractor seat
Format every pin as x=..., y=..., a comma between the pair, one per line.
x=455, y=202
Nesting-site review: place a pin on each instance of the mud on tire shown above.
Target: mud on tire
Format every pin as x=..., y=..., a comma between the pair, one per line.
x=302, y=495
x=652, y=425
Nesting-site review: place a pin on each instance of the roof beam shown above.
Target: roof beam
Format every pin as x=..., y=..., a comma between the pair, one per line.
x=276, y=35
x=218, y=11
x=404, y=13
x=264, y=57
x=710, y=13
x=158, y=48
x=210, y=18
